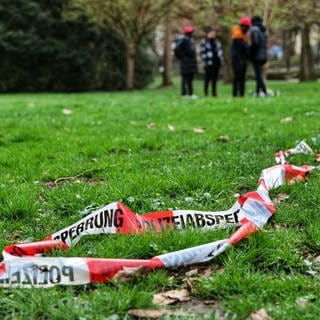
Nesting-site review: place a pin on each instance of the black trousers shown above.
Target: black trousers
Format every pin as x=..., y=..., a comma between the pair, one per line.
x=211, y=75
x=239, y=78
x=186, y=84
x=260, y=85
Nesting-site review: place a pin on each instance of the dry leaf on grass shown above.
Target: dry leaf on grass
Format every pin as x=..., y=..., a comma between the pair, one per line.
x=302, y=302
x=317, y=260
x=286, y=120
x=198, y=130
x=192, y=272
x=171, y=297
x=151, y=125
x=280, y=197
x=208, y=272
x=223, y=138
x=261, y=314
x=154, y=314
x=127, y=274
x=67, y=111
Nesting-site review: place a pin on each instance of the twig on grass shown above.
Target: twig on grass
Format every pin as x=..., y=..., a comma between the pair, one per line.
x=79, y=175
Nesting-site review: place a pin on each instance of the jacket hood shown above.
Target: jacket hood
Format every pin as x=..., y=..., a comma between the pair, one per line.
x=261, y=27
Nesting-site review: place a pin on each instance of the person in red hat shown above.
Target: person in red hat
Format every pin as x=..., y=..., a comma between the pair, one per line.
x=185, y=52
x=240, y=55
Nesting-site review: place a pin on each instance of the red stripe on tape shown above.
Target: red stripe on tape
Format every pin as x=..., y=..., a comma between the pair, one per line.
x=102, y=270
x=33, y=248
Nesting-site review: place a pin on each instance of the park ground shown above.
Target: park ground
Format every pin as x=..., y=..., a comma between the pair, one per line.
x=152, y=150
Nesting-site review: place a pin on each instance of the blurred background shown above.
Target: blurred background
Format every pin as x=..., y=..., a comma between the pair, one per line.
x=79, y=45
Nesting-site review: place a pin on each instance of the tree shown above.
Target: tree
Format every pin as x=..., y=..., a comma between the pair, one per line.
x=167, y=57
x=131, y=20
x=301, y=15
x=38, y=51
x=41, y=51
x=184, y=10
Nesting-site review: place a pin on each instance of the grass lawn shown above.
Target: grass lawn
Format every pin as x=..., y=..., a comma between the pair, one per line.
x=141, y=149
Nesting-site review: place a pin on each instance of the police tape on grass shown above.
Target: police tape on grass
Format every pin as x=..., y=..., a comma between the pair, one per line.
x=24, y=266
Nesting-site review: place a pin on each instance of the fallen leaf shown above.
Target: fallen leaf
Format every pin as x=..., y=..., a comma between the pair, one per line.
x=224, y=138
x=261, y=314
x=155, y=314
x=280, y=197
x=188, y=283
x=198, y=130
x=171, y=297
x=151, y=125
x=67, y=111
x=286, y=120
x=192, y=272
x=93, y=181
x=208, y=272
x=50, y=184
x=317, y=260
x=302, y=302
x=171, y=127
x=161, y=300
x=128, y=274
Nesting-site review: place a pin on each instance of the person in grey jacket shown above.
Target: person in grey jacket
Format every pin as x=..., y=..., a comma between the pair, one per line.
x=211, y=55
x=258, y=53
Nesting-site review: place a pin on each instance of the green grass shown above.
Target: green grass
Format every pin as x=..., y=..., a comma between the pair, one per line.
x=106, y=137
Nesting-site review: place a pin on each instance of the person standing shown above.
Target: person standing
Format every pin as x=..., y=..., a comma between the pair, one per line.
x=185, y=51
x=240, y=55
x=211, y=55
x=258, y=53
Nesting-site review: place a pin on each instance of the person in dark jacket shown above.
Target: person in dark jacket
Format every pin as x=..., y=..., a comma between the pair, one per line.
x=258, y=53
x=211, y=55
x=185, y=51
x=240, y=55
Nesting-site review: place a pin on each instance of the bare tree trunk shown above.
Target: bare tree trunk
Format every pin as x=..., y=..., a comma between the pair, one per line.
x=307, y=70
x=167, y=59
x=227, y=68
x=131, y=54
x=286, y=44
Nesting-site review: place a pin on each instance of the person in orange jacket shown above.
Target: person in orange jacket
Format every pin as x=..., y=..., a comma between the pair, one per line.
x=240, y=55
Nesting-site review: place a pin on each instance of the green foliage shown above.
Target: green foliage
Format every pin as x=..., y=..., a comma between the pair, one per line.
x=40, y=51
x=106, y=138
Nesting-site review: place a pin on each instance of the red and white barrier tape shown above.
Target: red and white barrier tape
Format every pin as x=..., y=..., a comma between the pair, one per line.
x=23, y=265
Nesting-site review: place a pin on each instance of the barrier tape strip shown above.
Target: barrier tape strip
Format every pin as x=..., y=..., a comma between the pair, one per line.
x=24, y=266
